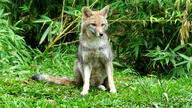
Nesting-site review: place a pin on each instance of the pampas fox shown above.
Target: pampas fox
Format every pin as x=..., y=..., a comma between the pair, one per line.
x=93, y=66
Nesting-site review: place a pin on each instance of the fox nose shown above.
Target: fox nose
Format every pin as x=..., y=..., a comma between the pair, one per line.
x=100, y=34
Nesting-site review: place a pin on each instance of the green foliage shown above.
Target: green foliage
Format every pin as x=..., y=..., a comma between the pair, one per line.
x=137, y=28
x=147, y=36
x=13, y=49
x=171, y=60
x=146, y=27
x=132, y=90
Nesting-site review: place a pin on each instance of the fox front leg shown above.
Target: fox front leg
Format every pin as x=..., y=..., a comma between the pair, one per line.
x=86, y=78
x=109, y=70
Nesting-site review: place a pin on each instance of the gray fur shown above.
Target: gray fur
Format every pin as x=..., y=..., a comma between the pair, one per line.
x=93, y=66
x=94, y=51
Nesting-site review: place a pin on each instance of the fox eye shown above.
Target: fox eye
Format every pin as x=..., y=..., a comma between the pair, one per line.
x=102, y=24
x=93, y=24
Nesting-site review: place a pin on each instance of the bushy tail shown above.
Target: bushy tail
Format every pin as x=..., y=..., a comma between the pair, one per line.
x=53, y=79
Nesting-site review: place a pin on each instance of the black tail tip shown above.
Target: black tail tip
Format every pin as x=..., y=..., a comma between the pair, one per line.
x=36, y=77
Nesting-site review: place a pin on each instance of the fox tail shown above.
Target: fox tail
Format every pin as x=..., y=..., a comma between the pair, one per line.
x=53, y=79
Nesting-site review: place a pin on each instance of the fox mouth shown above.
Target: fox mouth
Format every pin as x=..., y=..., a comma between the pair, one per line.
x=93, y=32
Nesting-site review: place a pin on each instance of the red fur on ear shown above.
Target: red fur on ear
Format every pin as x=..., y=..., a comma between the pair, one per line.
x=104, y=11
x=86, y=12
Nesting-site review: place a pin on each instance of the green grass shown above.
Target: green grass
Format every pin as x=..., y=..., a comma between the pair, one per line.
x=132, y=90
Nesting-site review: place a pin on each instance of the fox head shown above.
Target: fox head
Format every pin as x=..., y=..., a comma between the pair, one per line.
x=94, y=23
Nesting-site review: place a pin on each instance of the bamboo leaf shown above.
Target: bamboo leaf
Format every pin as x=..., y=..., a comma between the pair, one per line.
x=178, y=48
x=184, y=56
x=44, y=19
x=45, y=34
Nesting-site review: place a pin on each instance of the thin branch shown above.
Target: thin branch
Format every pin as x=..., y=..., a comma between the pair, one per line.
x=67, y=43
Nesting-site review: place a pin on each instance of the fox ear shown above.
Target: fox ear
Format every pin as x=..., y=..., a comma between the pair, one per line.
x=86, y=12
x=105, y=10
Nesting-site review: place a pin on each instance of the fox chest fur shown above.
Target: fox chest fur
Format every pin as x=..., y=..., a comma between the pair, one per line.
x=96, y=53
x=96, y=50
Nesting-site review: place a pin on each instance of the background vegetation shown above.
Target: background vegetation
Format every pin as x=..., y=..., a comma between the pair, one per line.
x=149, y=37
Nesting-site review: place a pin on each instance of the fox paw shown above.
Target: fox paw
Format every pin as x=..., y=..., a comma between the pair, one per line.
x=113, y=91
x=84, y=92
x=102, y=87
